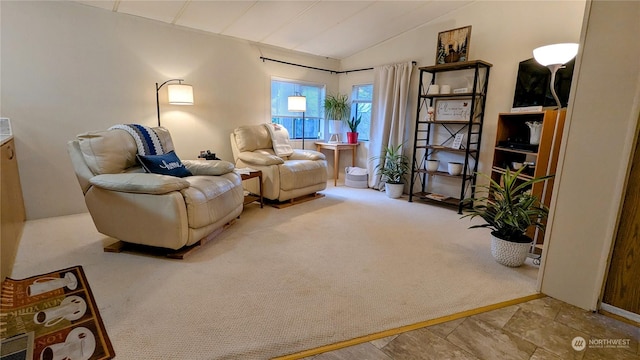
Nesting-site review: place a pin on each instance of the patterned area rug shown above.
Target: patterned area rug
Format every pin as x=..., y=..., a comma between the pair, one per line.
x=52, y=316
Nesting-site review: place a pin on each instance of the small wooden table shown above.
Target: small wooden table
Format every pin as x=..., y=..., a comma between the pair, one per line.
x=251, y=198
x=337, y=147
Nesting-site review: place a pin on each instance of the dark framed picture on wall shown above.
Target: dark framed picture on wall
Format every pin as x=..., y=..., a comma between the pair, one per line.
x=453, y=45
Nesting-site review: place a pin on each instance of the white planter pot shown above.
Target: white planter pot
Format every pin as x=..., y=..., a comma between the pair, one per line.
x=432, y=165
x=509, y=253
x=394, y=191
x=455, y=168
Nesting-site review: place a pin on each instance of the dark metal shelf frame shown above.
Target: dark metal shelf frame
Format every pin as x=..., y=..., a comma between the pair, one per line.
x=423, y=144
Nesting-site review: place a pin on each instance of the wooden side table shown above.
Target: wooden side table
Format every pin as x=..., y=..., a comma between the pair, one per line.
x=337, y=147
x=253, y=197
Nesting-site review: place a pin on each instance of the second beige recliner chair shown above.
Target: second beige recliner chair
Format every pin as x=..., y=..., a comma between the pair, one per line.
x=304, y=172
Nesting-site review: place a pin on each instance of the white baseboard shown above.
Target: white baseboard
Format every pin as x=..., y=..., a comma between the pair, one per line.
x=620, y=312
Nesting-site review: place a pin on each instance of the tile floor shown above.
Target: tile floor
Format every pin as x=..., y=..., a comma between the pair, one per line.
x=541, y=329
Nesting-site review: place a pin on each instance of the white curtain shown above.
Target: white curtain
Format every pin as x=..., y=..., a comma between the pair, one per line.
x=389, y=111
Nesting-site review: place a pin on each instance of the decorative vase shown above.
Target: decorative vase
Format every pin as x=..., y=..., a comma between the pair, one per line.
x=352, y=137
x=535, y=128
x=393, y=191
x=509, y=253
x=432, y=165
x=454, y=168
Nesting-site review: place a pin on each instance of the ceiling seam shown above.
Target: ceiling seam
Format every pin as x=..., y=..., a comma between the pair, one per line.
x=222, y=32
x=292, y=20
x=330, y=27
x=181, y=12
x=401, y=33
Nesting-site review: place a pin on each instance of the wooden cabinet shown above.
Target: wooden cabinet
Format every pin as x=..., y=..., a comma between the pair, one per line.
x=455, y=114
x=12, y=213
x=513, y=147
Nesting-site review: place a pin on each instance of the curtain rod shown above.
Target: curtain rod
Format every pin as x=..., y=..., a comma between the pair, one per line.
x=316, y=68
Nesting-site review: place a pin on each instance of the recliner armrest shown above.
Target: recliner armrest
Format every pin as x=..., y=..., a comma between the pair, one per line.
x=208, y=167
x=307, y=155
x=256, y=158
x=139, y=183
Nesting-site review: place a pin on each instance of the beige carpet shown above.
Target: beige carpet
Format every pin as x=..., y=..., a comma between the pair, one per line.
x=281, y=281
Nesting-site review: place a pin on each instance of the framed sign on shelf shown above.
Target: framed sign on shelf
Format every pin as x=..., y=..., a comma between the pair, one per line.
x=452, y=110
x=457, y=141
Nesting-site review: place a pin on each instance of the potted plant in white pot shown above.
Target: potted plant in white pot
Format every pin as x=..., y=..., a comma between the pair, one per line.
x=337, y=108
x=509, y=210
x=393, y=168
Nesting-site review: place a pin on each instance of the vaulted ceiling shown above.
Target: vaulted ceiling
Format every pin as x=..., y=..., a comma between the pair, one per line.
x=329, y=28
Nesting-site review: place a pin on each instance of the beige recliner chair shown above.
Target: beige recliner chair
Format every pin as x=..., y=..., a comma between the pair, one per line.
x=150, y=209
x=304, y=172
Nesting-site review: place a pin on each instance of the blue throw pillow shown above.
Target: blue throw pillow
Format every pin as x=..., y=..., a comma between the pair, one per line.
x=166, y=164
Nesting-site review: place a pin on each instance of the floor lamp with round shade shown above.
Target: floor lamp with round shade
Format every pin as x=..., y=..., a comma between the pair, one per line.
x=554, y=57
x=298, y=103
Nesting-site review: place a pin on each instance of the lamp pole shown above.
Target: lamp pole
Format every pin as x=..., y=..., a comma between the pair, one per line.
x=303, y=130
x=554, y=69
x=158, y=102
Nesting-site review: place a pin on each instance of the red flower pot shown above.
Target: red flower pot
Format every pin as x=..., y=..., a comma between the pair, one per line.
x=352, y=137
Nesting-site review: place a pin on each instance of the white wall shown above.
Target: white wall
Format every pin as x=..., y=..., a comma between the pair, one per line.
x=598, y=145
x=68, y=68
x=503, y=33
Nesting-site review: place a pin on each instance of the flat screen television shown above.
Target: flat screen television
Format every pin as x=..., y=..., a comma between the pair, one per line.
x=532, y=85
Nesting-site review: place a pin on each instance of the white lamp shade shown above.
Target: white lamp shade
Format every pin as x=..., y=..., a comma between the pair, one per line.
x=556, y=54
x=180, y=94
x=297, y=103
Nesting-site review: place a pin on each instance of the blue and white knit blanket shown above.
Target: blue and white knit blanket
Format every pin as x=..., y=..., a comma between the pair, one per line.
x=146, y=139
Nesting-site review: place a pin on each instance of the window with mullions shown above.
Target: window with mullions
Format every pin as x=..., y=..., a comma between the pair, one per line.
x=361, y=98
x=292, y=121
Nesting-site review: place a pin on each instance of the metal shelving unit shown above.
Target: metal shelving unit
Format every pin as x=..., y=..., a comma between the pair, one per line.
x=434, y=136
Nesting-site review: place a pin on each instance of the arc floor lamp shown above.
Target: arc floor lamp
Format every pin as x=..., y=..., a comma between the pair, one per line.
x=178, y=94
x=298, y=103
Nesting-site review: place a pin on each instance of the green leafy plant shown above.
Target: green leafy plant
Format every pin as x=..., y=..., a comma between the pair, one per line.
x=353, y=123
x=337, y=107
x=508, y=207
x=393, y=166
